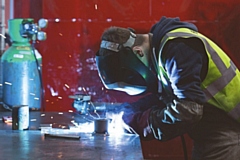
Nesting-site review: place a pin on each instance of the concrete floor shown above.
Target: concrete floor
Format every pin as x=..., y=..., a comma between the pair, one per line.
x=32, y=144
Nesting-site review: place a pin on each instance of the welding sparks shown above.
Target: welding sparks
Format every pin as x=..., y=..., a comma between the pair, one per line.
x=66, y=85
x=2, y=35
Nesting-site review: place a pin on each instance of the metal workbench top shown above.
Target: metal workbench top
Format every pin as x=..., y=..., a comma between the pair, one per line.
x=32, y=144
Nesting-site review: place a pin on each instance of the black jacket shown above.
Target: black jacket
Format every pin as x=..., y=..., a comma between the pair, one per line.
x=215, y=134
x=186, y=61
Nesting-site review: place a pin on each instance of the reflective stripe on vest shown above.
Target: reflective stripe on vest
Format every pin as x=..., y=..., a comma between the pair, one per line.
x=227, y=72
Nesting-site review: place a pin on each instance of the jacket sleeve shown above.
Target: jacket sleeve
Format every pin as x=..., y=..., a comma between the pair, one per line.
x=170, y=119
x=163, y=122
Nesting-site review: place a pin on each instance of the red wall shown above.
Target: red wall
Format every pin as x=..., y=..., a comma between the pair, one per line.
x=68, y=53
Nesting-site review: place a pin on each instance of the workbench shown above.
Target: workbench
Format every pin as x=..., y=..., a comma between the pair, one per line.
x=33, y=144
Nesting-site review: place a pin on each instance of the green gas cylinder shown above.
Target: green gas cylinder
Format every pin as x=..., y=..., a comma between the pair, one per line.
x=21, y=81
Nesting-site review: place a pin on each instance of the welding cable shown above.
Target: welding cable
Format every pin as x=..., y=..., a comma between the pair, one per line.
x=40, y=77
x=184, y=147
x=94, y=108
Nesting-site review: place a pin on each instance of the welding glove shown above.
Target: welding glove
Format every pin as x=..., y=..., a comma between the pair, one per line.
x=136, y=115
x=118, y=123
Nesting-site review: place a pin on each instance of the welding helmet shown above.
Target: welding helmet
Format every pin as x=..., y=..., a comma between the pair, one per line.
x=122, y=70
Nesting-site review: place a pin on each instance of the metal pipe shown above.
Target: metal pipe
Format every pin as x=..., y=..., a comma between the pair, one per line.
x=11, y=9
x=2, y=26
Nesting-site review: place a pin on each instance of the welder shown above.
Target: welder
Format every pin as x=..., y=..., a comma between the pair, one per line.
x=188, y=84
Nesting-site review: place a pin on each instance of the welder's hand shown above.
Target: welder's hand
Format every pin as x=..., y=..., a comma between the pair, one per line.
x=131, y=122
x=118, y=123
x=125, y=126
x=139, y=123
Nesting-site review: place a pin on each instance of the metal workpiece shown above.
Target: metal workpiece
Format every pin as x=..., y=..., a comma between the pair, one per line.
x=20, y=117
x=101, y=126
x=82, y=103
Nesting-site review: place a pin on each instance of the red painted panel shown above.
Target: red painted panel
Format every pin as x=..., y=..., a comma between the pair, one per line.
x=60, y=53
x=22, y=9
x=75, y=28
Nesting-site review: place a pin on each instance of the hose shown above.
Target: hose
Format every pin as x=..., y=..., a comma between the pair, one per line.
x=40, y=77
x=184, y=147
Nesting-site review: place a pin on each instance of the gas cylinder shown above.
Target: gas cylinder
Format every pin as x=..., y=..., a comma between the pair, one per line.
x=21, y=70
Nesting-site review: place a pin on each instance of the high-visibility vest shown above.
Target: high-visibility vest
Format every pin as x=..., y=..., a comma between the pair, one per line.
x=222, y=82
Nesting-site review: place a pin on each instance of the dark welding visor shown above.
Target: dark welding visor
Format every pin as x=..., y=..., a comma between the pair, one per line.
x=123, y=71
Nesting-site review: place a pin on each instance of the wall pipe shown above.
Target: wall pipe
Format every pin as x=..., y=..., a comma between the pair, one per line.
x=2, y=26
